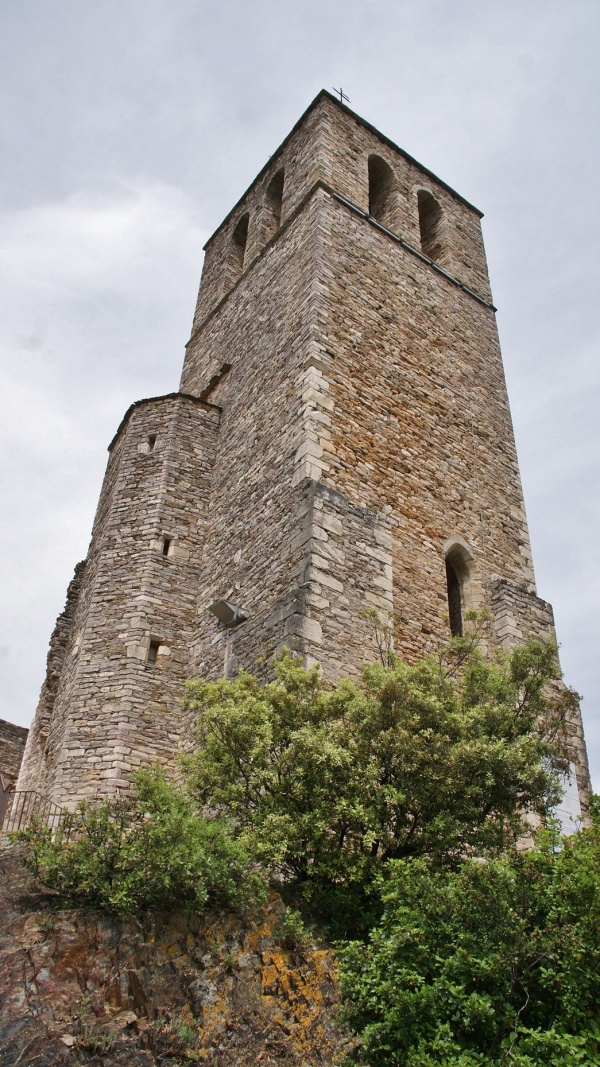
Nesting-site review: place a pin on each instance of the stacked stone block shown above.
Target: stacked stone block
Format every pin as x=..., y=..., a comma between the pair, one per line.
x=12, y=744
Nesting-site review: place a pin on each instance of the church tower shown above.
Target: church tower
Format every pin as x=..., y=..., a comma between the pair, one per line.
x=341, y=442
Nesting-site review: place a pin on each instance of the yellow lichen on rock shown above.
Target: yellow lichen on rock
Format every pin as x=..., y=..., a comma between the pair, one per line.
x=215, y=988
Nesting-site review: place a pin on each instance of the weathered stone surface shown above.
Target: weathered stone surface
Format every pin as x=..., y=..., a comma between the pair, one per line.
x=79, y=987
x=33, y=759
x=12, y=744
x=111, y=709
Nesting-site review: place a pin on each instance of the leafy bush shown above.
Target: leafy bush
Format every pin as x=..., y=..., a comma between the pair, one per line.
x=392, y=808
x=493, y=963
x=290, y=932
x=152, y=849
x=439, y=759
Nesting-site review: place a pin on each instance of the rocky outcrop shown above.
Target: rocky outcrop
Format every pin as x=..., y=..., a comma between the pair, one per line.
x=80, y=987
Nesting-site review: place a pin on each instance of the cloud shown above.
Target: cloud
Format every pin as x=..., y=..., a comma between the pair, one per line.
x=95, y=312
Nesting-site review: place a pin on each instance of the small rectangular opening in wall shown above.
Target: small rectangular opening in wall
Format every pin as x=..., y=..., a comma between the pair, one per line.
x=153, y=651
x=167, y=541
x=151, y=441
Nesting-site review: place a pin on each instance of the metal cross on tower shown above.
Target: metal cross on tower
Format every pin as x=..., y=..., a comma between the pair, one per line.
x=343, y=98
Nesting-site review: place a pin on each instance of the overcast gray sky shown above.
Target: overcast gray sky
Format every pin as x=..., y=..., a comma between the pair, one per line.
x=130, y=127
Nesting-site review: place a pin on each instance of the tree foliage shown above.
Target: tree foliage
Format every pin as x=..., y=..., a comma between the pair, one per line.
x=494, y=962
x=390, y=809
x=440, y=759
x=151, y=849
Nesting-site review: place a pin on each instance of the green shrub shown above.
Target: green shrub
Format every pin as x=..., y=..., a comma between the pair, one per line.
x=370, y=801
x=329, y=781
x=290, y=931
x=152, y=849
x=492, y=963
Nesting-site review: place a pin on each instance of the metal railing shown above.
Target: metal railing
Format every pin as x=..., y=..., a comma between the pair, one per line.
x=20, y=807
x=6, y=791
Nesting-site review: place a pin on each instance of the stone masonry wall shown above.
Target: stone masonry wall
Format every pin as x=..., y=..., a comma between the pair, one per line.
x=375, y=303
x=404, y=411
x=33, y=765
x=114, y=709
x=264, y=331
x=420, y=430
x=345, y=573
x=305, y=585
x=12, y=743
x=518, y=615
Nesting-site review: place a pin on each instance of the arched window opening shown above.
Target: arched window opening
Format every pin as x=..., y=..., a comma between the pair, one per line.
x=454, y=600
x=240, y=238
x=381, y=189
x=460, y=585
x=430, y=224
x=273, y=202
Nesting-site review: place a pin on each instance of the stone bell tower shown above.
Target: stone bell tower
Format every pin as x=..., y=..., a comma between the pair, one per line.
x=341, y=441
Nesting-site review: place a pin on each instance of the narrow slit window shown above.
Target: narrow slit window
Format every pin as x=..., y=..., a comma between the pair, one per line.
x=454, y=600
x=166, y=545
x=151, y=442
x=381, y=190
x=153, y=648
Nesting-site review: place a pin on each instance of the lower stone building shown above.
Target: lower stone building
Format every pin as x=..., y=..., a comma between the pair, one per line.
x=12, y=745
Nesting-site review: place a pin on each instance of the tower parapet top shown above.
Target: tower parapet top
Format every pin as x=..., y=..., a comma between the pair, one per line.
x=331, y=146
x=324, y=95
